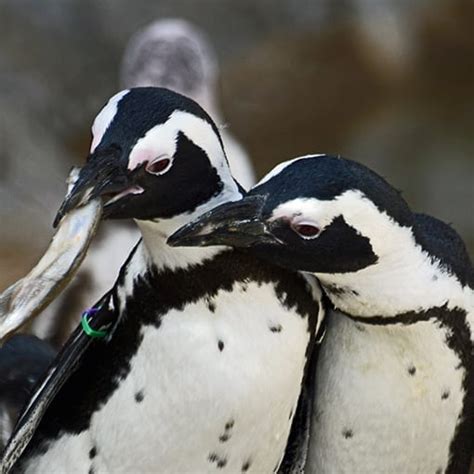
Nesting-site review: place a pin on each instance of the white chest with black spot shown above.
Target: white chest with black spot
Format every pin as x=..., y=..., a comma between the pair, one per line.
x=207, y=391
x=387, y=397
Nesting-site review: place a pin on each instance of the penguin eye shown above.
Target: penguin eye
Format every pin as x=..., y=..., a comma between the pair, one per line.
x=159, y=166
x=307, y=230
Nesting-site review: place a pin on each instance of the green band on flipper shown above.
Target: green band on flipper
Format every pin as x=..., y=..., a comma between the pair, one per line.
x=86, y=327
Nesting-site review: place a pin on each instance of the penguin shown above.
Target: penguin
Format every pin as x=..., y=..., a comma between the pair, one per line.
x=194, y=361
x=394, y=381
x=170, y=53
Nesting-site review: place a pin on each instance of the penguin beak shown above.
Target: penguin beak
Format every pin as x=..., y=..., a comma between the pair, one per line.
x=237, y=224
x=104, y=176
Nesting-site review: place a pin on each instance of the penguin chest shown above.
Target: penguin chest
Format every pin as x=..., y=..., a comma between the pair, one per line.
x=214, y=386
x=388, y=398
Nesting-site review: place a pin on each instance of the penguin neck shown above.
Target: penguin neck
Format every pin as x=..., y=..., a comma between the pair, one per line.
x=405, y=280
x=160, y=255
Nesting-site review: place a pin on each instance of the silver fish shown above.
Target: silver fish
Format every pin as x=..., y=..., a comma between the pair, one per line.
x=26, y=298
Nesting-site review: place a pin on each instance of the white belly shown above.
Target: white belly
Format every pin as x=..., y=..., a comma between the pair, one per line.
x=214, y=389
x=387, y=399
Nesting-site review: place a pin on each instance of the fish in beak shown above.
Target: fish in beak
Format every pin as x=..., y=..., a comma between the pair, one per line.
x=236, y=223
x=27, y=297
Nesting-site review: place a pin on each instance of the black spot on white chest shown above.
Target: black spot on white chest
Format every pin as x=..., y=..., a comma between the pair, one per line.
x=174, y=352
x=413, y=374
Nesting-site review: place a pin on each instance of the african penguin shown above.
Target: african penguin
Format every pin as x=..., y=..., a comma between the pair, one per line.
x=395, y=374
x=203, y=365
x=169, y=53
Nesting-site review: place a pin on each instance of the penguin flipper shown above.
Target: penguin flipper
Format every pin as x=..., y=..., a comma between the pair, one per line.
x=297, y=448
x=296, y=453
x=63, y=366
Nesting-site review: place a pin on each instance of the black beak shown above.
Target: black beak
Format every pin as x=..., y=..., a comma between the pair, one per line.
x=103, y=174
x=236, y=223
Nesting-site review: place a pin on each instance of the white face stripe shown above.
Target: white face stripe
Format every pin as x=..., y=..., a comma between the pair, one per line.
x=280, y=167
x=161, y=141
x=104, y=118
x=158, y=141
x=359, y=212
x=405, y=277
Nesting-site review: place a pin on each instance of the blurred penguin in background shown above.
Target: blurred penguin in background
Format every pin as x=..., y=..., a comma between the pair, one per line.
x=175, y=54
x=169, y=53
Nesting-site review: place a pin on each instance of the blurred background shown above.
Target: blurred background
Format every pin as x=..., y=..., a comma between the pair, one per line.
x=389, y=83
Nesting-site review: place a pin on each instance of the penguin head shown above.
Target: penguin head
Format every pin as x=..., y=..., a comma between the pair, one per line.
x=319, y=214
x=175, y=54
x=155, y=154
